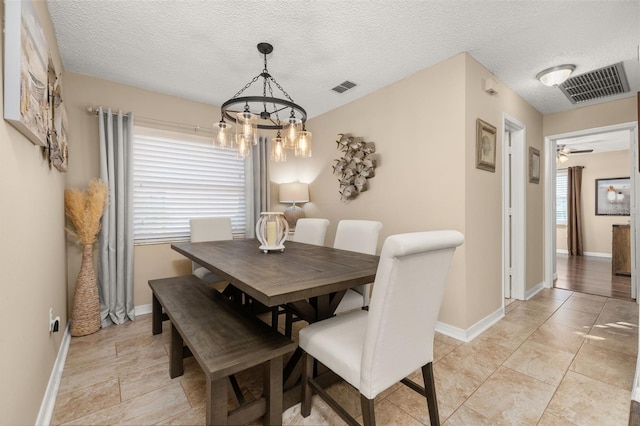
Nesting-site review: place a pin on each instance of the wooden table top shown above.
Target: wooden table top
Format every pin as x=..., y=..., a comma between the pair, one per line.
x=300, y=272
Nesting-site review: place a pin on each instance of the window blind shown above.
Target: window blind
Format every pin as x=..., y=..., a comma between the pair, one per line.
x=179, y=177
x=561, y=197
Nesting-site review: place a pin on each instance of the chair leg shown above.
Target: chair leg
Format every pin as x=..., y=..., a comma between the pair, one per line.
x=307, y=369
x=288, y=324
x=368, y=416
x=430, y=393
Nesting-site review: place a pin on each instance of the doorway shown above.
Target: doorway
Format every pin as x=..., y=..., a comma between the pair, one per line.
x=629, y=132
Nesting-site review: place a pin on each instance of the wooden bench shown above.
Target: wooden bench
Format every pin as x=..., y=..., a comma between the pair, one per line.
x=224, y=341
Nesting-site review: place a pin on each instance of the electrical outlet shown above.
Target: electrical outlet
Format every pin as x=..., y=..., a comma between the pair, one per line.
x=54, y=323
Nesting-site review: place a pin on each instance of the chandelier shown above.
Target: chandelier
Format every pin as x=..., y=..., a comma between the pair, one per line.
x=266, y=112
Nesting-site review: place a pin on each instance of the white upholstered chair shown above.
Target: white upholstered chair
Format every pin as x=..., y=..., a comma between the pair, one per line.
x=311, y=231
x=209, y=229
x=361, y=236
x=374, y=349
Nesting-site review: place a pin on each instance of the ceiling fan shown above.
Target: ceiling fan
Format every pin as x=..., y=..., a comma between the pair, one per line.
x=563, y=152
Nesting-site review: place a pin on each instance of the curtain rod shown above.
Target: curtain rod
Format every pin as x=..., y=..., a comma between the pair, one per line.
x=566, y=168
x=193, y=127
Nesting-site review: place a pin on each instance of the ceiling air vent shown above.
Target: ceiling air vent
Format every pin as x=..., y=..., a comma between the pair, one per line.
x=603, y=82
x=344, y=86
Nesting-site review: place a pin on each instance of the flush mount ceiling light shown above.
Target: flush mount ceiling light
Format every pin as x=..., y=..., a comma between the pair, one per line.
x=556, y=75
x=266, y=112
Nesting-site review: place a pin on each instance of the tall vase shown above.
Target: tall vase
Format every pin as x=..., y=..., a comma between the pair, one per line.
x=85, y=316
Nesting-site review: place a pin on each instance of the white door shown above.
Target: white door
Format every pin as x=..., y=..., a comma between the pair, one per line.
x=513, y=207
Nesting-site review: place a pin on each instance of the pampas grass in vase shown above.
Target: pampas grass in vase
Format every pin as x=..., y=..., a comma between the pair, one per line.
x=84, y=210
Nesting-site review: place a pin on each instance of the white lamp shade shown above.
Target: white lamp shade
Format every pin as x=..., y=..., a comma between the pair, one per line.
x=295, y=192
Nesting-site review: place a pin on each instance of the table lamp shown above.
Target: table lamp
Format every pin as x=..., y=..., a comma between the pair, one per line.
x=295, y=192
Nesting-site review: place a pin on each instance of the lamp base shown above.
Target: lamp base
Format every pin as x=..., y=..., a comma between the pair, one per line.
x=292, y=214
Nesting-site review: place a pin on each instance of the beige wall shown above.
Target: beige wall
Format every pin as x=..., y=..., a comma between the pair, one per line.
x=589, y=117
x=484, y=195
x=597, y=229
x=32, y=261
x=415, y=123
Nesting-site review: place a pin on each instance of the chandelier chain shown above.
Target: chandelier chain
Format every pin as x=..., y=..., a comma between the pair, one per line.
x=246, y=86
x=275, y=108
x=280, y=87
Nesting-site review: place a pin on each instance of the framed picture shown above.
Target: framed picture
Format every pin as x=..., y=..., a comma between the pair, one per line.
x=26, y=95
x=485, y=146
x=613, y=197
x=534, y=165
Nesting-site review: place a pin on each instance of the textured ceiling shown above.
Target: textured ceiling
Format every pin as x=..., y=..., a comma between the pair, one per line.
x=205, y=50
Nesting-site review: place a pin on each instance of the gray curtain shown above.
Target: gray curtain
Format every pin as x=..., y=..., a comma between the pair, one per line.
x=574, y=210
x=115, y=266
x=258, y=187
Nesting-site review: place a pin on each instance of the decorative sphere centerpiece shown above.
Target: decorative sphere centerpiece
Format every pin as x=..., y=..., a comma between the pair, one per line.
x=272, y=230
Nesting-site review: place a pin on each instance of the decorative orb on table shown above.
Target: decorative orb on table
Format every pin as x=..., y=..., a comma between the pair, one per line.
x=272, y=230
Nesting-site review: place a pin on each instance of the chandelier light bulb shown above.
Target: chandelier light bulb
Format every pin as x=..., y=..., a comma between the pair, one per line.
x=278, y=153
x=291, y=133
x=221, y=138
x=247, y=127
x=303, y=147
x=244, y=146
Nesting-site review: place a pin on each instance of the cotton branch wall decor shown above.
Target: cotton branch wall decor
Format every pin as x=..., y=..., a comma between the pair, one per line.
x=356, y=165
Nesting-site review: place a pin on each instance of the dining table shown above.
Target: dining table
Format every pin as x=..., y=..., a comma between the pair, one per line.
x=307, y=279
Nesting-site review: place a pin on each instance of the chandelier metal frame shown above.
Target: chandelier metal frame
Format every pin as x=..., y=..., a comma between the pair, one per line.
x=268, y=106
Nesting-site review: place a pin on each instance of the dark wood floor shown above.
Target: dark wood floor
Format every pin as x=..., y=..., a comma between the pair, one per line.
x=588, y=274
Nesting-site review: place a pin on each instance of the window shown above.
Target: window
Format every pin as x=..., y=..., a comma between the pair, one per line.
x=177, y=177
x=561, y=197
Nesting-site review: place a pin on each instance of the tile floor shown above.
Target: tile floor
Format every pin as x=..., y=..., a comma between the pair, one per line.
x=562, y=358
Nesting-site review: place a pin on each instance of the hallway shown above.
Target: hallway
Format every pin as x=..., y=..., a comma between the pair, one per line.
x=591, y=275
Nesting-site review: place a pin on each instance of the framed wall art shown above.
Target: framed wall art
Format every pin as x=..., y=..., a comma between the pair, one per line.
x=613, y=197
x=485, y=146
x=25, y=71
x=534, y=165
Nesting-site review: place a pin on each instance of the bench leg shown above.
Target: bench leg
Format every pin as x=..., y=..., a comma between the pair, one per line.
x=272, y=379
x=156, y=316
x=176, y=367
x=217, y=401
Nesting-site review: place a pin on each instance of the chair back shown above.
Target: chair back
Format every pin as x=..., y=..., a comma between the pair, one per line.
x=361, y=236
x=407, y=294
x=358, y=235
x=210, y=229
x=311, y=231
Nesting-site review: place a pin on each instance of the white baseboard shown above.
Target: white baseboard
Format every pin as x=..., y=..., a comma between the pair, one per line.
x=51, y=393
x=472, y=332
x=534, y=290
x=142, y=309
x=586, y=253
x=592, y=254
